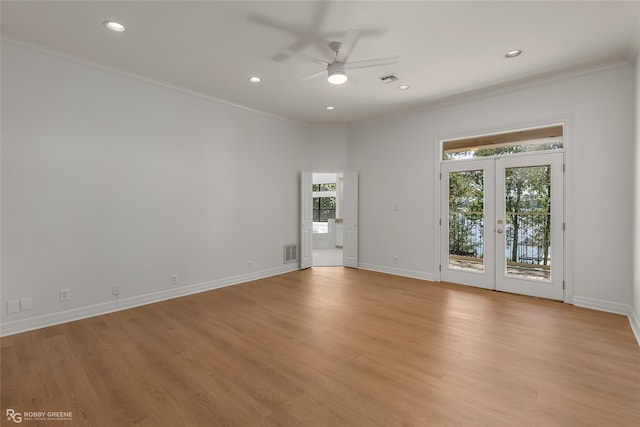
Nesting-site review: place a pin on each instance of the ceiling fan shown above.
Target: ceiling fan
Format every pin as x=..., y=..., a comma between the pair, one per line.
x=336, y=52
x=336, y=67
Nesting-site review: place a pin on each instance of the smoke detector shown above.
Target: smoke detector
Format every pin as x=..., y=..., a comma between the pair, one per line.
x=389, y=78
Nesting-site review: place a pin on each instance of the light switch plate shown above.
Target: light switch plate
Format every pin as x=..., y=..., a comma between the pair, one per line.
x=13, y=306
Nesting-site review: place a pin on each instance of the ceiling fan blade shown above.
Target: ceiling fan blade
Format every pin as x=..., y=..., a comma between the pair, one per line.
x=347, y=45
x=292, y=50
x=314, y=75
x=304, y=38
x=296, y=48
x=374, y=62
x=310, y=58
x=270, y=22
x=372, y=33
x=338, y=35
x=322, y=7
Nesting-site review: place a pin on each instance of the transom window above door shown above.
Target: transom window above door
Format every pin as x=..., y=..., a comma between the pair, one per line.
x=521, y=141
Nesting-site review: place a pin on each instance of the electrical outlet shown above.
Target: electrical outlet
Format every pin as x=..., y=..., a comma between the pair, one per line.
x=174, y=280
x=64, y=294
x=250, y=265
x=395, y=259
x=115, y=291
x=25, y=304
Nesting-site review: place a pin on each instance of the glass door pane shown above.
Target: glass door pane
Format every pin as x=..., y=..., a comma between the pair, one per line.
x=466, y=220
x=527, y=232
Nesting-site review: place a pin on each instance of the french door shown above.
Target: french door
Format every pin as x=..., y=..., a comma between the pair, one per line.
x=502, y=224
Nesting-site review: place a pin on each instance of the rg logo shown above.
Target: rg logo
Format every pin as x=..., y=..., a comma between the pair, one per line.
x=14, y=416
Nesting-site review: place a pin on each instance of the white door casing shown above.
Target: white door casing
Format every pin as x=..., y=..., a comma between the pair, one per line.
x=306, y=220
x=350, y=220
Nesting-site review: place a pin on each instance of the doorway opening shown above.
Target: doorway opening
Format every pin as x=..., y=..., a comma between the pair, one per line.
x=327, y=232
x=344, y=234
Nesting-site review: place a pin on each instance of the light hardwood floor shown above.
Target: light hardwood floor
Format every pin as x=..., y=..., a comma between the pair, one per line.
x=331, y=347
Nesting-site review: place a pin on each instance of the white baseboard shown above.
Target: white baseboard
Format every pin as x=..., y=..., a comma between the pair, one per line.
x=31, y=323
x=397, y=271
x=601, y=305
x=612, y=307
x=634, y=320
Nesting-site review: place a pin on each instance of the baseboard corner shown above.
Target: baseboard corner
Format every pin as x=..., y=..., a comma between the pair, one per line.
x=634, y=321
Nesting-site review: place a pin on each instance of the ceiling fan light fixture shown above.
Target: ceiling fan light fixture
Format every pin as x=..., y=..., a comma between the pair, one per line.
x=337, y=73
x=337, y=78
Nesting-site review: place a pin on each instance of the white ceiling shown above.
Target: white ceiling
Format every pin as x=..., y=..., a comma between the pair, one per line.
x=446, y=49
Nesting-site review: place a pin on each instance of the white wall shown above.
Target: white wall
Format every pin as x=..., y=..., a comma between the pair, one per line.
x=328, y=147
x=395, y=157
x=635, y=312
x=111, y=180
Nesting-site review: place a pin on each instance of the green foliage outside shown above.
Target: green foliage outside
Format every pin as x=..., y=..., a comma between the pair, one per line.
x=528, y=206
x=466, y=209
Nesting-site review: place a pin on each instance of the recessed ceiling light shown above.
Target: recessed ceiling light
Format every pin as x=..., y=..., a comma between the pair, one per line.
x=255, y=79
x=513, y=53
x=330, y=108
x=403, y=87
x=114, y=26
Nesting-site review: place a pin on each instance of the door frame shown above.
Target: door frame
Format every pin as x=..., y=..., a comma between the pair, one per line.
x=348, y=198
x=350, y=220
x=566, y=121
x=306, y=219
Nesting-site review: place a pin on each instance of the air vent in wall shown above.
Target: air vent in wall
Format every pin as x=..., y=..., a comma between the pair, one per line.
x=290, y=253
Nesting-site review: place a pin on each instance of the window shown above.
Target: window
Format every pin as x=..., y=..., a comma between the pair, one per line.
x=324, y=202
x=522, y=141
x=324, y=187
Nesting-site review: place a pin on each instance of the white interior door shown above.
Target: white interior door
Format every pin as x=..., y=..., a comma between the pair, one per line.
x=502, y=224
x=350, y=220
x=306, y=220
